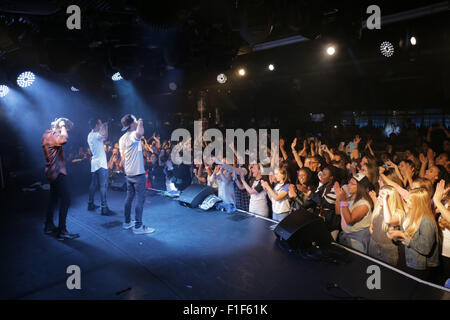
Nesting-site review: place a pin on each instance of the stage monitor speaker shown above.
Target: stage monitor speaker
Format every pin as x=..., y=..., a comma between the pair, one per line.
x=194, y=195
x=302, y=229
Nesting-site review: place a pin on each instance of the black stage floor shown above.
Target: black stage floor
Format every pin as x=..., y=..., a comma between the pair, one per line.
x=192, y=255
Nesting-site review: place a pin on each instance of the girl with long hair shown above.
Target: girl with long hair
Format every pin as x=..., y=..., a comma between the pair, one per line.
x=279, y=195
x=355, y=209
x=387, y=215
x=419, y=234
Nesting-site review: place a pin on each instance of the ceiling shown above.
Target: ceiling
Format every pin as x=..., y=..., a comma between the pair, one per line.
x=152, y=43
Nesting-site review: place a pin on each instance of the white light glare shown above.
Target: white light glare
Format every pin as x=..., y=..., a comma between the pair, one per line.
x=413, y=41
x=271, y=67
x=25, y=79
x=387, y=49
x=221, y=78
x=116, y=76
x=331, y=50
x=242, y=72
x=3, y=90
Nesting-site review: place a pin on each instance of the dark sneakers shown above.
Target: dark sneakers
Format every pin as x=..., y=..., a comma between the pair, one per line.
x=92, y=207
x=63, y=235
x=50, y=228
x=107, y=212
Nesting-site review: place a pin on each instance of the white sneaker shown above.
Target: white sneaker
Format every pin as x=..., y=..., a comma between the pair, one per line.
x=143, y=230
x=127, y=226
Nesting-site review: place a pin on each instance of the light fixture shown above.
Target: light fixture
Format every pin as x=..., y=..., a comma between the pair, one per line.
x=74, y=89
x=173, y=86
x=331, y=50
x=413, y=41
x=387, y=49
x=221, y=78
x=25, y=79
x=3, y=90
x=242, y=72
x=271, y=67
x=116, y=76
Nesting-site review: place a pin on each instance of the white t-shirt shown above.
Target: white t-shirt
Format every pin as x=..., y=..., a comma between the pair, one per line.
x=95, y=141
x=225, y=190
x=281, y=206
x=131, y=149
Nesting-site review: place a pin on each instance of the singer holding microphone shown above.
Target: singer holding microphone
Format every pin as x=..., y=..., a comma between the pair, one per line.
x=99, y=165
x=55, y=170
x=130, y=146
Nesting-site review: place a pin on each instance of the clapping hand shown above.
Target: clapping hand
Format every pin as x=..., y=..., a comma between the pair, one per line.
x=423, y=159
x=440, y=191
x=340, y=193
x=294, y=143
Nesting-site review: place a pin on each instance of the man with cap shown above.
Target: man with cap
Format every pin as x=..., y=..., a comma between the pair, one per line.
x=99, y=165
x=55, y=170
x=130, y=147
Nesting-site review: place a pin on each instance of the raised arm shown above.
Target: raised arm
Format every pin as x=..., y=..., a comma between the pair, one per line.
x=140, y=129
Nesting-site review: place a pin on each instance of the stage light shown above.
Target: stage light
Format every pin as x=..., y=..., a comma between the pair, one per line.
x=173, y=86
x=221, y=78
x=387, y=49
x=335, y=127
x=116, y=76
x=3, y=90
x=271, y=67
x=25, y=79
x=413, y=41
x=74, y=89
x=242, y=72
x=331, y=50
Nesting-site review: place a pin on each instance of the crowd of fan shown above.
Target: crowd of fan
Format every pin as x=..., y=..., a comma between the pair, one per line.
x=391, y=205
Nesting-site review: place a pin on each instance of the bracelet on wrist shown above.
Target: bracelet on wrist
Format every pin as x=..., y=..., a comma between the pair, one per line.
x=343, y=204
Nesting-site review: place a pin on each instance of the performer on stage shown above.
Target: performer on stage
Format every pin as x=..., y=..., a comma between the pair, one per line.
x=55, y=170
x=99, y=165
x=130, y=146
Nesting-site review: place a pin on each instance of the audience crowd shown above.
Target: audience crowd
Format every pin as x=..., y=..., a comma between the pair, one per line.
x=390, y=201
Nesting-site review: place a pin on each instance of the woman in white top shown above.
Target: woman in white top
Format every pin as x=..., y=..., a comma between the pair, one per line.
x=258, y=199
x=224, y=181
x=355, y=209
x=279, y=195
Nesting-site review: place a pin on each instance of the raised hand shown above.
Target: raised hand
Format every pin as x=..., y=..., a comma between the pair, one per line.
x=423, y=159
x=430, y=155
x=440, y=191
x=294, y=143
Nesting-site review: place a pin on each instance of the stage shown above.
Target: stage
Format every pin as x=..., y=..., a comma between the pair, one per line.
x=192, y=255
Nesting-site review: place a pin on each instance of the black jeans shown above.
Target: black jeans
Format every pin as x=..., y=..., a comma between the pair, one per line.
x=58, y=191
x=99, y=179
x=135, y=185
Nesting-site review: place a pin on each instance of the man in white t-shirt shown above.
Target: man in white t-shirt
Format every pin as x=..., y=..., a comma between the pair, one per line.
x=99, y=165
x=130, y=147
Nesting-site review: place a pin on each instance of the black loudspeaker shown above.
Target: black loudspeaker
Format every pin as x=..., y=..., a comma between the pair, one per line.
x=194, y=195
x=302, y=230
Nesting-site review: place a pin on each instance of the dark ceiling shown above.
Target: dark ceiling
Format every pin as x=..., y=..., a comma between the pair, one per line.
x=151, y=41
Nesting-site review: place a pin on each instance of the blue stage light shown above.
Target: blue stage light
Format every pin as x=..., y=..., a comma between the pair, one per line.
x=3, y=90
x=25, y=79
x=74, y=89
x=116, y=76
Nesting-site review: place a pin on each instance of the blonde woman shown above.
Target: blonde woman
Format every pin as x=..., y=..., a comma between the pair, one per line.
x=387, y=215
x=419, y=234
